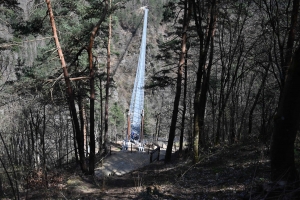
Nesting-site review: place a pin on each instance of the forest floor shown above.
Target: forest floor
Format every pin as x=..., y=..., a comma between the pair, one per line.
x=240, y=171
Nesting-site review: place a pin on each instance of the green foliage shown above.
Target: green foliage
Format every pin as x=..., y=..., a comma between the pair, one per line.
x=9, y=10
x=38, y=23
x=83, y=60
x=135, y=20
x=74, y=21
x=117, y=116
x=169, y=12
x=9, y=3
x=16, y=40
x=7, y=13
x=158, y=81
x=115, y=52
x=114, y=20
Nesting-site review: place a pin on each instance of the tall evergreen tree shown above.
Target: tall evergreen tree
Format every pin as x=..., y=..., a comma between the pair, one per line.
x=186, y=21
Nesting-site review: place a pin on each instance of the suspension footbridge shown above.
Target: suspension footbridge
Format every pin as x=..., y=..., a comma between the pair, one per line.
x=133, y=155
x=136, y=113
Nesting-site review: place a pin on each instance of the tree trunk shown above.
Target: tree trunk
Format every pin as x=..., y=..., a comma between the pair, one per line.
x=232, y=131
x=107, y=91
x=101, y=116
x=32, y=162
x=291, y=39
x=262, y=85
x=204, y=89
x=45, y=176
x=155, y=138
x=159, y=119
x=82, y=120
x=287, y=122
x=16, y=194
x=186, y=21
x=92, y=91
x=202, y=73
x=184, y=108
x=69, y=90
x=74, y=136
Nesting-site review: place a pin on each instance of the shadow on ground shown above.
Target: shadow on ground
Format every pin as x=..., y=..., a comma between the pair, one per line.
x=232, y=172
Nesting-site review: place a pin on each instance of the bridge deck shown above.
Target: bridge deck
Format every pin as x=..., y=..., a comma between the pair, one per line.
x=121, y=162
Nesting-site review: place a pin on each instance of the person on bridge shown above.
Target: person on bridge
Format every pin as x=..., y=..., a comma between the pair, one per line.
x=132, y=136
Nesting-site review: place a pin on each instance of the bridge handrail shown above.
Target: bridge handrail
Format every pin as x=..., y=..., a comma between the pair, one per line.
x=154, y=151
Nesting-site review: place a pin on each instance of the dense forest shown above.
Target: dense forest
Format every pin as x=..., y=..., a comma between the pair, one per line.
x=222, y=79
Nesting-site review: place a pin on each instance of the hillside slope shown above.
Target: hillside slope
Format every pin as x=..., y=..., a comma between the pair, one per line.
x=234, y=172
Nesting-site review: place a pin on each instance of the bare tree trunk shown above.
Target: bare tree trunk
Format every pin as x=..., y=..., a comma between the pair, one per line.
x=74, y=136
x=32, y=162
x=243, y=117
x=204, y=89
x=262, y=85
x=9, y=179
x=101, y=117
x=44, y=148
x=287, y=122
x=159, y=118
x=92, y=104
x=291, y=38
x=186, y=21
x=184, y=107
x=232, y=132
x=92, y=91
x=107, y=90
x=155, y=138
x=84, y=123
x=16, y=193
x=67, y=141
x=69, y=90
x=202, y=73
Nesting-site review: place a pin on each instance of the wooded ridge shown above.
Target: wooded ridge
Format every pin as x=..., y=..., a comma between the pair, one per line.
x=219, y=76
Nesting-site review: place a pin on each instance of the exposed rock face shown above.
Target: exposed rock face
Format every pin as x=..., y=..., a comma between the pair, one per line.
x=4, y=31
x=25, y=51
x=125, y=45
x=26, y=5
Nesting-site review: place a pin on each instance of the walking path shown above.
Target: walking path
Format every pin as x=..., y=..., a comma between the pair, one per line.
x=121, y=162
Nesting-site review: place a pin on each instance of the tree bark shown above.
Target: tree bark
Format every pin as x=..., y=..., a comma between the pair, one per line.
x=184, y=108
x=45, y=175
x=291, y=38
x=92, y=91
x=69, y=90
x=83, y=122
x=202, y=73
x=107, y=90
x=186, y=21
x=101, y=116
x=74, y=136
x=287, y=122
x=262, y=85
x=204, y=89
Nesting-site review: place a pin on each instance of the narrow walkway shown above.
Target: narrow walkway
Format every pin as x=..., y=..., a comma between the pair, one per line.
x=121, y=162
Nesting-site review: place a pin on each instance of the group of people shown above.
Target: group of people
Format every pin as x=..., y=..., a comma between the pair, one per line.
x=133, y=138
